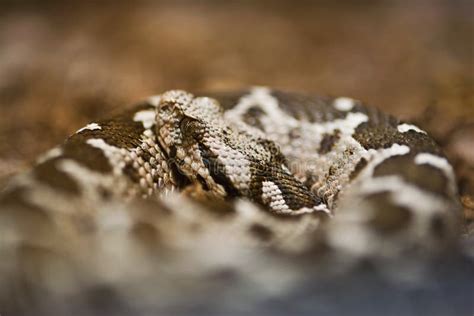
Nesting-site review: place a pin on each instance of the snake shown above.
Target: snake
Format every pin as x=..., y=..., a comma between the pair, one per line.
x=182, y=186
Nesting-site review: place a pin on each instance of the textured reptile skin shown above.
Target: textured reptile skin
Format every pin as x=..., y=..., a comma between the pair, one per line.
x=247, y=187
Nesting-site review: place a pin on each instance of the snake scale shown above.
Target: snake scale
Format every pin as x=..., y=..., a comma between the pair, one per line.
x=182, y=193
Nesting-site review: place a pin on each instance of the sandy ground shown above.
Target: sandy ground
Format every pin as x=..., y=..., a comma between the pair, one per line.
x=62, y=65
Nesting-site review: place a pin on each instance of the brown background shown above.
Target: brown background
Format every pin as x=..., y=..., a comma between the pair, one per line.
x=62, y=65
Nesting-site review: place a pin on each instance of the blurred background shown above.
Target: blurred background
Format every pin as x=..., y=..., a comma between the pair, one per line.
x=65, y=63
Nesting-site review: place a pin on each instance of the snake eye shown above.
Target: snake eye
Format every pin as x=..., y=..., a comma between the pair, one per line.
x=165, y=107
x=189, y=126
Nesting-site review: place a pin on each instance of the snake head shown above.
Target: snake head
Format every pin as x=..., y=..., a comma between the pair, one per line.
x=170, y=113
x=184, y=125
x=181, y=118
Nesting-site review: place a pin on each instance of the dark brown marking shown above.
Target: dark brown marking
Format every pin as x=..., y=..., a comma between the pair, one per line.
x=388, y=218
x=295, y=193
x=90, y=157
x=225, y=275
x=179, y=177
x=119, y=131
x=276, y=157
x=375, y=136
x=423, y=176
x=217, y=171
x=31, y=220
x=146, y=234
x=295, y=133
x=252, y=117
x=104, y=192
x=203, y=183
x=49, y=174
x=311, y=178
x=328, y=142
x=16, y=196
x=260, y=231
x=217, y=207
x=437, y=226
x=131, y=173
x=315, y=109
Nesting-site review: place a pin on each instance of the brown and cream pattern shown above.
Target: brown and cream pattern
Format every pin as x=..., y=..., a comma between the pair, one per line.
x=224, y=180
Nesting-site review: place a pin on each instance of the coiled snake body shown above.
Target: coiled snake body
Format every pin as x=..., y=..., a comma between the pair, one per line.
x=182, y=186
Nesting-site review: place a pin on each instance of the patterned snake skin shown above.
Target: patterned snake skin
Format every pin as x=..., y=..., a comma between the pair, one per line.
x=184, y=194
